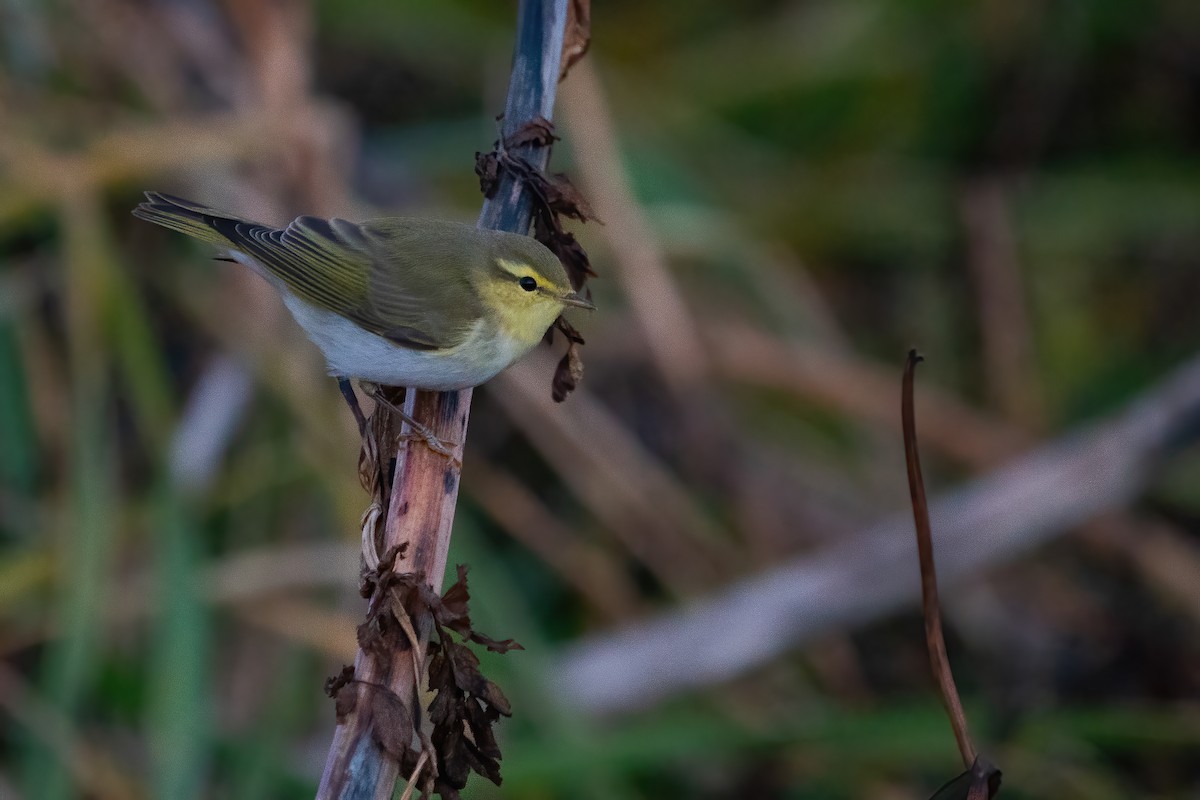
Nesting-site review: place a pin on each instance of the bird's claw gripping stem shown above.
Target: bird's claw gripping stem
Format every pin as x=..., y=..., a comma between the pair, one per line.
x=418, y=431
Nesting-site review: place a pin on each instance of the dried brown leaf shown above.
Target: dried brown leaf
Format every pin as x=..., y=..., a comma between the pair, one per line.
x=479, y=721
x=334, y=683
x=538, y=131
x=564, y=245
x=454, y=611
x=487, y=167
x=393, y=725
x=345, y=697
x=495, y=645
x=464, y=700
x=567, y=374
x=564, y=199
x=568, y=330
x=577, y=36
x=483, y=764
x=370, y=637
x=445, y=790
x=464, y=666
x=554, y=197
x=442, y=709
x=345, y=703
x=495, y=698
x=454, y=763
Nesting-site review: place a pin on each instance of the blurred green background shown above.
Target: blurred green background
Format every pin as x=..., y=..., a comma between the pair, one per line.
x=792, y=194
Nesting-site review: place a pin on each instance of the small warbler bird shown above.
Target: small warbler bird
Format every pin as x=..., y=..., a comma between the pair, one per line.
x=420, y=303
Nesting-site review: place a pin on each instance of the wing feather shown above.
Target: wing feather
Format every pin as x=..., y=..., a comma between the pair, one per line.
x=377, y=274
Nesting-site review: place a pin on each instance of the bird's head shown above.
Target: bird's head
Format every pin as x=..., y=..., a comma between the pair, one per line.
x=525, y=287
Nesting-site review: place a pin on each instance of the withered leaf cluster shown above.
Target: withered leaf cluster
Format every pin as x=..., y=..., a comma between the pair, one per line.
x=458, y=737
x=555, y=198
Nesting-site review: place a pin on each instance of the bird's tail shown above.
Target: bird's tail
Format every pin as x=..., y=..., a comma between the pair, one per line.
x=185, y=216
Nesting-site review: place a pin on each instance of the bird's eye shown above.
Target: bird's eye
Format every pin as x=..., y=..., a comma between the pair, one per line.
x=527, y=283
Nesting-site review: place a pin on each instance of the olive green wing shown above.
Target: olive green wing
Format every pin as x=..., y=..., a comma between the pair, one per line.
x=419, y=277
x=388, y=277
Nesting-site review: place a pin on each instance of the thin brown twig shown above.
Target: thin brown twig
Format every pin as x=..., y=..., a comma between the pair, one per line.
x=938, y=660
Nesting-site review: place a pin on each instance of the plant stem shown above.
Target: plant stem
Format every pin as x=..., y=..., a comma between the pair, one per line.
x=420, y=509
x=934, y=640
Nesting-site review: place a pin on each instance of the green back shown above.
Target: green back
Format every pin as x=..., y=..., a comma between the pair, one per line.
x=408, y=280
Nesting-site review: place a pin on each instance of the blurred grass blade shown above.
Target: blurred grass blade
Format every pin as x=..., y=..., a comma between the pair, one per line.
x=179, y=682
x=18, y=456
x=88, y=543
x=71, y=662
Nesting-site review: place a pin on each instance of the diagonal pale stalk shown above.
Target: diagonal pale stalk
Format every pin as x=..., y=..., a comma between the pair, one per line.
x=425, y=484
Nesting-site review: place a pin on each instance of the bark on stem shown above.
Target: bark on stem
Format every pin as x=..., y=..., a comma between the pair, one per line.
x=425, y=484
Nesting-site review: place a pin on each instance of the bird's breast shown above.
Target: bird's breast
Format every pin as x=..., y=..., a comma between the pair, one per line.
x=354, y=352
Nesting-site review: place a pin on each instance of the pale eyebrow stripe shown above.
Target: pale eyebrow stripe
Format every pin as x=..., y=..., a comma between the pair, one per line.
x=518, y=269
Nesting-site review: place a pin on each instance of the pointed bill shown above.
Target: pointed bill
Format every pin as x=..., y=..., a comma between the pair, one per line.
x=577, y=300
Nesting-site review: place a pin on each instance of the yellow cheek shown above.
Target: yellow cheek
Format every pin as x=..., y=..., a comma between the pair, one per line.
x=522, y=315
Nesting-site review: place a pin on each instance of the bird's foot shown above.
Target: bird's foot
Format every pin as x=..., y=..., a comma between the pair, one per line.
x=439, y=446
x=421, y=432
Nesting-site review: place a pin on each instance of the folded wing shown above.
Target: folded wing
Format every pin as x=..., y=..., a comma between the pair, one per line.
x=388, y=276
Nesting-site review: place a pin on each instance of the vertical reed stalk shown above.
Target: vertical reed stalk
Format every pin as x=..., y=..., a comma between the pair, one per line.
x=420, y=507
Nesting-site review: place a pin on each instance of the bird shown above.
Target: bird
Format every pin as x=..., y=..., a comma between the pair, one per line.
x=404, y=301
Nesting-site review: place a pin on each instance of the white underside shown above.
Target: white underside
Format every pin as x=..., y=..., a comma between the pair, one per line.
x=352, y=352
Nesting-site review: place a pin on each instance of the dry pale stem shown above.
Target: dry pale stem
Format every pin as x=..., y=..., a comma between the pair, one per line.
x=424, y=486
x=420, y=511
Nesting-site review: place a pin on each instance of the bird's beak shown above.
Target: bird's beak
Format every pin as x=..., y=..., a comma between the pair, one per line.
x=577, y=300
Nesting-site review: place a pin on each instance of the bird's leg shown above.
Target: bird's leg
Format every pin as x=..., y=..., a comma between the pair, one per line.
x=352, y=401
x=420, y=431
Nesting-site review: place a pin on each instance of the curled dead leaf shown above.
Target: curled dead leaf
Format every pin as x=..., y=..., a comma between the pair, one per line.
x=539, y=131
x=340, y=688
x=566, y=200
x=487, y=167
x=335, y=683
x=567, y=374
x=577, y=35
x=564, y=245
